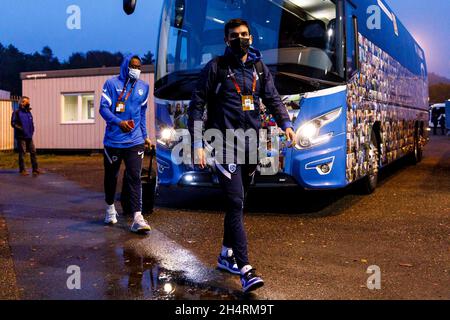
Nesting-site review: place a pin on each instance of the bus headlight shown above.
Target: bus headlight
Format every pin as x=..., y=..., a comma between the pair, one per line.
x=308, y=135
x=167, y=137
x=167, y=134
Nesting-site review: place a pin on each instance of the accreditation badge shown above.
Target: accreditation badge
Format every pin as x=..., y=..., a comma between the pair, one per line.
x=247, y=103
x=120, y=107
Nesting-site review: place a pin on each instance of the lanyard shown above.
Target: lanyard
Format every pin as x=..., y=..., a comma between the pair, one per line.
x=236, y=85
x=125, y=89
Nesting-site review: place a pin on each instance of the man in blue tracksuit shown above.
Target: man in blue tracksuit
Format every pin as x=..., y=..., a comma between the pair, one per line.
x=231, y=87
x=22, y=122
x=123, y=106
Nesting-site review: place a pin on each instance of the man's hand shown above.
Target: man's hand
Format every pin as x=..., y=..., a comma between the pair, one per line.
x=290, y=134
x=125, y=126
x=148, y=143
x=201, y=156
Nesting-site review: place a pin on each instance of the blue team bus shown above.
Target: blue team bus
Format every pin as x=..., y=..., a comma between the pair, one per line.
x=352, y=78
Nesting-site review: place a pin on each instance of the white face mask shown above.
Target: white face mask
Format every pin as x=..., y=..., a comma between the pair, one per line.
x=134, y=73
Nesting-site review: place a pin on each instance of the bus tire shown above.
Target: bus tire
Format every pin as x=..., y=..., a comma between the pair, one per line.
x=417, y=154
x=369, y=182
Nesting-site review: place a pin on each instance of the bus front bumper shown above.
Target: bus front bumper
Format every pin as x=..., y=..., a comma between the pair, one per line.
x=209, y=179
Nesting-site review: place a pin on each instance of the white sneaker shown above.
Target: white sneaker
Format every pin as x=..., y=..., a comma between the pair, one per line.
x=111, y=215
x=140, y=225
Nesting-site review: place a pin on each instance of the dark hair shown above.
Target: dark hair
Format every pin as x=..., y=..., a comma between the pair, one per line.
x=25, y=97
x=234, y=23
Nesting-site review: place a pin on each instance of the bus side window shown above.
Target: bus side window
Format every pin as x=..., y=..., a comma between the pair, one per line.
x=352, y=47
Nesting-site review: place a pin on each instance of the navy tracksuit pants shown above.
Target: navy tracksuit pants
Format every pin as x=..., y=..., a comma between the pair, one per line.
x=234, y=181
x=132, y=157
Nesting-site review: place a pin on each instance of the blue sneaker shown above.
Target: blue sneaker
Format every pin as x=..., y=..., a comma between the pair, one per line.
x=228, y=264
x=251, y=281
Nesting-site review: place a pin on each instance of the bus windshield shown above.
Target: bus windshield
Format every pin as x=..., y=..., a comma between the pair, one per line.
x=300, y=40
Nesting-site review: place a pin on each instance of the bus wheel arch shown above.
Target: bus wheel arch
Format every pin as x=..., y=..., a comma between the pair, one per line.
x=417, y=154
x=376, y=131
x=370, y=181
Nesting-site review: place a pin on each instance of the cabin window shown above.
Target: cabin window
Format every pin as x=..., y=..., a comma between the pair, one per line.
x=78, y=108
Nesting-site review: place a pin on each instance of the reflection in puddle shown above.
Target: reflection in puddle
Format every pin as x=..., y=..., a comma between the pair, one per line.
x=145, y=279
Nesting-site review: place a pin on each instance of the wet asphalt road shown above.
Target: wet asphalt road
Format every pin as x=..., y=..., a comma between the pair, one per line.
x=54, y=224
x=307, y=245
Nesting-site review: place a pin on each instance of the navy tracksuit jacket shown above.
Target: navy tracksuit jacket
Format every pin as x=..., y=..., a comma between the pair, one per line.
x=224, y=105
x=22, y=122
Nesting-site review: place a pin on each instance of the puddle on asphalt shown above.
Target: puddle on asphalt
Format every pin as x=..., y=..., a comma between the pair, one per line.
x=144, y=278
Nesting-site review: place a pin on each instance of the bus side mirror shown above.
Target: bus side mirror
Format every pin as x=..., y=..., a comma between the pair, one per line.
x=129, y=6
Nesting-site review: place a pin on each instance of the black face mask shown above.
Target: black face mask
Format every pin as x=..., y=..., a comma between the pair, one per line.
x=240, y=46
x=26, y=106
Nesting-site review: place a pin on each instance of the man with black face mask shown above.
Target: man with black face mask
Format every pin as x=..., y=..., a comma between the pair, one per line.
x=22, y=122
x=231, y=87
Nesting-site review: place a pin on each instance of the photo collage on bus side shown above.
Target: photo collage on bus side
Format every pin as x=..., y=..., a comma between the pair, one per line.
x=377, y=94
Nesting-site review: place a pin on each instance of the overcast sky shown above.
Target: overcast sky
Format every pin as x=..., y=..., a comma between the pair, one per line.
x=30, y=25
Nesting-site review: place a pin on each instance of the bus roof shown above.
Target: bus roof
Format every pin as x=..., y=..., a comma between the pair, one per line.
x=393, y=37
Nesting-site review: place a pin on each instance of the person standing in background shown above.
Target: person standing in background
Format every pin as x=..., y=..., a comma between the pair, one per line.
x=442, y=124
x=22, y=122
x=434, y=121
